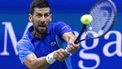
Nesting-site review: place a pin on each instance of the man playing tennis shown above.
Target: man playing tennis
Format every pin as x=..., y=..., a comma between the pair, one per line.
x=38, y=48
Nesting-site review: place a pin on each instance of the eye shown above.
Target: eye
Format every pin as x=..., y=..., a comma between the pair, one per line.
x=47, y=14
x=39, y=15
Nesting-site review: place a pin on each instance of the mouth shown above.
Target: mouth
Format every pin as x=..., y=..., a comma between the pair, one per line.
x=42, y=27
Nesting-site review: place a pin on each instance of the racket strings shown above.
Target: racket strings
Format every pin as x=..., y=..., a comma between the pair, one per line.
x=103, y=17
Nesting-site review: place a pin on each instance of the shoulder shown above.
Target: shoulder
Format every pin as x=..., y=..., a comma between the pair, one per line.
x=26, y=39
x=24, y=43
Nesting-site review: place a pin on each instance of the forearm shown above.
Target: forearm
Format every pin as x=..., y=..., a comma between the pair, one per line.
x=69, y=35
x=39, y=63
x=32, y=62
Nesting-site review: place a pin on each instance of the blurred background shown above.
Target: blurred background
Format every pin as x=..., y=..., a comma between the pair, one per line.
x=104, y=53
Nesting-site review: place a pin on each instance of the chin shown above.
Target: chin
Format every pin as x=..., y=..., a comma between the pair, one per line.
x=42, y=31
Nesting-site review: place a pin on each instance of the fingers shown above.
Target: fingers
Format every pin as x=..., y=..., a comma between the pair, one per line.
x=71, y=42
x=60, y=55
x=72, y=47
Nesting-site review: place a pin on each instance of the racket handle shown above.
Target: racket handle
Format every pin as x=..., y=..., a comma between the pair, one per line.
x=67, y=51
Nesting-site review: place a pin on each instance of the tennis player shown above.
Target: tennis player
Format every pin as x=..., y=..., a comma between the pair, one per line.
x=38, y=48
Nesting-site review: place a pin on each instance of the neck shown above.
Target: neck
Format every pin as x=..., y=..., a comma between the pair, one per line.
x=38, y=35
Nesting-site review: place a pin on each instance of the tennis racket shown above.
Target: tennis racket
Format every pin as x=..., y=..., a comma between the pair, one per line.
x=104, y=13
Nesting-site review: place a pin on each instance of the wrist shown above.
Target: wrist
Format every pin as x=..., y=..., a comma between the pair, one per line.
x=50, y=58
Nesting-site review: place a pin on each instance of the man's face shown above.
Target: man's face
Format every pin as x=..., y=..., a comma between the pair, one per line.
x=40, y=19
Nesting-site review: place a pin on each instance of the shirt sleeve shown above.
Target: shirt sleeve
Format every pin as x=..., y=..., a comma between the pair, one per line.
x=61, y=28
x=24, y=48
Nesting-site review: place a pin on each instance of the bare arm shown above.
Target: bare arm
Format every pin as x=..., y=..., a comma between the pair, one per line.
x=69, y=37
x=32, y=62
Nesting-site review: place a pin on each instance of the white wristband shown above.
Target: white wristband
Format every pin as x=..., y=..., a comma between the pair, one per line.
x=50, y=59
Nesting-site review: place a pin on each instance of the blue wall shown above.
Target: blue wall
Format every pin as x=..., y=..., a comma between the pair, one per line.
x=15, y=12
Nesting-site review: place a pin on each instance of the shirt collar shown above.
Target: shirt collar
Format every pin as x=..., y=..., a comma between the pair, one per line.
x=31, y=37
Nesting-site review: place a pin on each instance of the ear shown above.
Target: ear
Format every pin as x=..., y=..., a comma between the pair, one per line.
x=30, y=17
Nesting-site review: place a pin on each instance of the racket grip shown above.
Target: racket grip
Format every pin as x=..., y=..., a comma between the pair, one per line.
x=66, y=51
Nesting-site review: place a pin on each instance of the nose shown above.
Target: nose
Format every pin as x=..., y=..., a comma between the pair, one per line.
x=42, y=19
x=42, y=22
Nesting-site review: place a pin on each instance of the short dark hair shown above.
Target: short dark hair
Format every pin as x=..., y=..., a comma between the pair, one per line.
x=38, y=4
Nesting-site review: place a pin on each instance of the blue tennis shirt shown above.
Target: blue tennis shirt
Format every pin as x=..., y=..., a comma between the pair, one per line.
x=42, y=47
